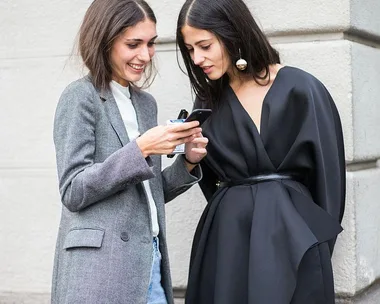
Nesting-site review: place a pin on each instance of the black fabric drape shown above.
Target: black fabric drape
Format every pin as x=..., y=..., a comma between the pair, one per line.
x=259, y=244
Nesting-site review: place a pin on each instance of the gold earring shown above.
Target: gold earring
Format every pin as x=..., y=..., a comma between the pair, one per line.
x=241, y=64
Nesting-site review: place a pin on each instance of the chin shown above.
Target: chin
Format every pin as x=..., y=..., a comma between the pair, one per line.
x=214, y=77
x=132, y=78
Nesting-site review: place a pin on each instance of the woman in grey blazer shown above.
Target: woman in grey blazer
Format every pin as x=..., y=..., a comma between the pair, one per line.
x=111, y=246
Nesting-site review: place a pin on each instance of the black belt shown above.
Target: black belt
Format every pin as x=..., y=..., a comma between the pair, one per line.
x=258, y=179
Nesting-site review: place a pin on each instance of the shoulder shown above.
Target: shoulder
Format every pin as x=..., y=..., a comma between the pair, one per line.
x=79, y=92
x=80, y=87
x=306, y=89
x=77, y=97
x=302, y=81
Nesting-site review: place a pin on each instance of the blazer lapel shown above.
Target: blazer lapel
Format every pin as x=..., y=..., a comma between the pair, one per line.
x=144, y=118
x=114, y=116
x=147, y=120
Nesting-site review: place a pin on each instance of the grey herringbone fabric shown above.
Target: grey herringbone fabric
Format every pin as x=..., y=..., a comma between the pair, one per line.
x=104, y=246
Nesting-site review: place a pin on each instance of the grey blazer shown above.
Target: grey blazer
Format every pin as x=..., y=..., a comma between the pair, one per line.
x=104, y=246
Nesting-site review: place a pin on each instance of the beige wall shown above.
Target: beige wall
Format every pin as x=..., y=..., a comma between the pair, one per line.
x=337, y=41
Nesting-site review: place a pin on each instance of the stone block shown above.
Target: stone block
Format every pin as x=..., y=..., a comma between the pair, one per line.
x=276, y=18
x=366, y=100
x=47, y=29
x=365, y=17
x=31, y=89
x=367, y=194
x=344, y=256
x=357, y=250
x=30, y=211
x=294, y=17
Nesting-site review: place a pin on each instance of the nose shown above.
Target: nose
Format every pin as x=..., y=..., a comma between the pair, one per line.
x=144, y=54
x=198, y=58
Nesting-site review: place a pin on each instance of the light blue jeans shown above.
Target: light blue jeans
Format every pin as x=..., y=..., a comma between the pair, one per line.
x=156, y=294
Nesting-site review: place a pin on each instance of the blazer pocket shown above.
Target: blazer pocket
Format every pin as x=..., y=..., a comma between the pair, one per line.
x=84, y=237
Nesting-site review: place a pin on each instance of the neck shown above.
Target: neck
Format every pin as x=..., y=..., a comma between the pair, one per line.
x=238, y=79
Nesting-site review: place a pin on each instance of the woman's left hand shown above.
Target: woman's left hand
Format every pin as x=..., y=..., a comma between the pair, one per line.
x=196, y=149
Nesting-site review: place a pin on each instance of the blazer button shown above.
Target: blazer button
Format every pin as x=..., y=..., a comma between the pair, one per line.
x=124, y=236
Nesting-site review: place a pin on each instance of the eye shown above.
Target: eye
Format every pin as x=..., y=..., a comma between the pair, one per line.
x=132, y=45
x=190, y=50
x=151, y=44
x=205, y=47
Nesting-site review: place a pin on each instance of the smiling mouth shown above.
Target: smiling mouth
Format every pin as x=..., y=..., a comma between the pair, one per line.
x=137, y=67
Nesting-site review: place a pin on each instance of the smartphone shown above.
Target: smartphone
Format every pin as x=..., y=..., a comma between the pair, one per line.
x=200, y=115
x=182, y=115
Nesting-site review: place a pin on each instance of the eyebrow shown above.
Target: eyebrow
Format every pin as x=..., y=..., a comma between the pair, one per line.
x=199, y=42
x=140, y=40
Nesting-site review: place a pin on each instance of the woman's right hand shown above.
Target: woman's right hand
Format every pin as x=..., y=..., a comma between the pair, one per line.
x=162, y=140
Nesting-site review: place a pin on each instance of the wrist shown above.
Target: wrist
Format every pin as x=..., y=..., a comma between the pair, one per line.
x=190, y=167
x=189, y=162
x=141, y=144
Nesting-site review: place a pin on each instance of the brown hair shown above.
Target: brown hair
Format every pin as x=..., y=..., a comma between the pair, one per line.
x=103, y=22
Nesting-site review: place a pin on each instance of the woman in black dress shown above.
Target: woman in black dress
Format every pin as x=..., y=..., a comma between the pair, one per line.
x=274, y=176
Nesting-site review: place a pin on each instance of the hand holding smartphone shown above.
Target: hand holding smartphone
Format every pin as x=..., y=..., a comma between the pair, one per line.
x=198, y=114
x=182, y=115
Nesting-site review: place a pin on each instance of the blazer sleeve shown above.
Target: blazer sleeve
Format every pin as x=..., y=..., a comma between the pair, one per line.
x=83, y=182
x=176, y=179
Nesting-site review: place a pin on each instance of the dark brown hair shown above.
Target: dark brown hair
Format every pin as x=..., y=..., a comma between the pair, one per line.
x=234, y=26
x=103, y=22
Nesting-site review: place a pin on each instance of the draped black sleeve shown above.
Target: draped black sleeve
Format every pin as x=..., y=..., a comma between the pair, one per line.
x=328, y=177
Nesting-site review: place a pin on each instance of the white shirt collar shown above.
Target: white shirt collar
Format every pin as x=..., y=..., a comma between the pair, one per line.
x=122, y=89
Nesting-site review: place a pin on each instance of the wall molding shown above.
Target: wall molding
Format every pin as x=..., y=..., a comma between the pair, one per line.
x=353, y=35
x=363, y=165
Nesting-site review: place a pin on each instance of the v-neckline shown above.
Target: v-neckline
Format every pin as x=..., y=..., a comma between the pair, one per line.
x=262, y=105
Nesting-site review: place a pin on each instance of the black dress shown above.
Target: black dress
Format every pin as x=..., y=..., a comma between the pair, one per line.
x=270, y=242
